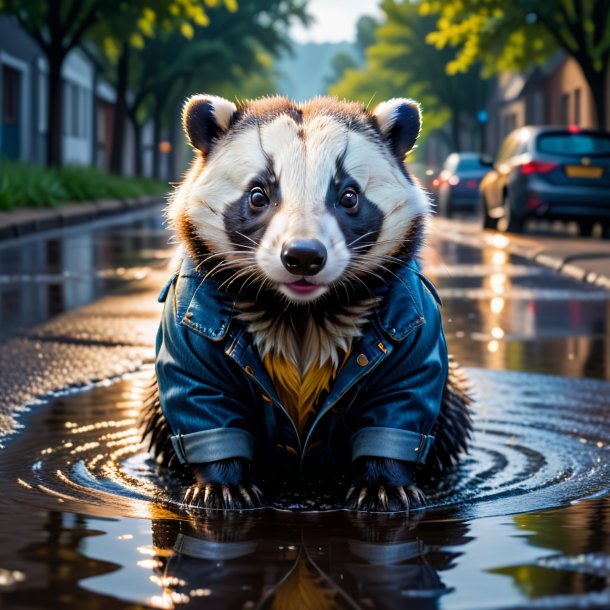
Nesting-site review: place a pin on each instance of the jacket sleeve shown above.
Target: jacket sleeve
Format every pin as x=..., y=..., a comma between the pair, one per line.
x=202, y=393
x=395, y=412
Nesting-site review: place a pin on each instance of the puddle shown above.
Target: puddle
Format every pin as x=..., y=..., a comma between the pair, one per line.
x=81, y=491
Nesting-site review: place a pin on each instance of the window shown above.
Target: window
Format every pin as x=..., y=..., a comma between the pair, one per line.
x=469, y=164
x=42, y=101
x=10, y=95
x=565, y=109
x=563, y=143
x=576, y=106
x=75, y=110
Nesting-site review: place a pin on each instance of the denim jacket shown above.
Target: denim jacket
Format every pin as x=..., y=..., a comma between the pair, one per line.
x=220, y=403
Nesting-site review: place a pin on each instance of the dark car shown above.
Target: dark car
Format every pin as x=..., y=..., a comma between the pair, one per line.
x=552, y=173
x=457, y=185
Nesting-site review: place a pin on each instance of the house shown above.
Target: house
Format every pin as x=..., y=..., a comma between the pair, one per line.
x=555, y=93
x=24, y=86
x=88, y=107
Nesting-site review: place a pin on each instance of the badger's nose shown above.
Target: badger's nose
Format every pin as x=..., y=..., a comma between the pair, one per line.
x=304, y=256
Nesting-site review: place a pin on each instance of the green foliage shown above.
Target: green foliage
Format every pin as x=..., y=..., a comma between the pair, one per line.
x=513, y=35
x=339, y=64
x=402, y=64
x=365, y=32
x=24, y=185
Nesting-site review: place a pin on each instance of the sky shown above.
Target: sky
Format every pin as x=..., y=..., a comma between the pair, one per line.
x=335, y=20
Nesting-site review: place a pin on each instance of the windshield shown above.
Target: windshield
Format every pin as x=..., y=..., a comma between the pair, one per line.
x=470, y=164
x=574, y=144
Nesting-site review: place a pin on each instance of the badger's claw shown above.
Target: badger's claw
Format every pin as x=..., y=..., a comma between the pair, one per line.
x=223, y=497
x=378, y=498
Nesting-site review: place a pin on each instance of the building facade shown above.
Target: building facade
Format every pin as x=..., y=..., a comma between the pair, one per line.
x=555, y=93
x=88, y=104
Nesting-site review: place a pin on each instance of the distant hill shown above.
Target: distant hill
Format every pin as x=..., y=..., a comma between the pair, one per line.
x=304, y=74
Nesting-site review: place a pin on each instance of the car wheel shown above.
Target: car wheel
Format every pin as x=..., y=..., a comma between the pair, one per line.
x=585, y=228
x=488, y=221
x=512, y=224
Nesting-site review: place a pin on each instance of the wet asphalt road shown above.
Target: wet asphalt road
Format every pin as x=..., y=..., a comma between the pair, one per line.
x=83, y=519
x=500, y=310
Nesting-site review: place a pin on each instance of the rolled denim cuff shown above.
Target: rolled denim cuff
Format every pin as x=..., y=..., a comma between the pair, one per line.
x=391, y=443
x=213, y=445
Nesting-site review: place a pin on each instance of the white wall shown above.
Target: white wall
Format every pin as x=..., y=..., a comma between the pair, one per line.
x=77, y=76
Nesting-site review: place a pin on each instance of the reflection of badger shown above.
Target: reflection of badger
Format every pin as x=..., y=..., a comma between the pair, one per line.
x=299, y=339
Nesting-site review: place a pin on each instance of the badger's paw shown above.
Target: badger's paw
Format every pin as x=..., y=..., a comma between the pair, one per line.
x=383, y=485
x=380, y=498
x=223, y=497
x=223, y=485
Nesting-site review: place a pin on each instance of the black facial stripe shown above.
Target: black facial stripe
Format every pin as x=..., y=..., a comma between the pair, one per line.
x=241, y=222
x=360, y=229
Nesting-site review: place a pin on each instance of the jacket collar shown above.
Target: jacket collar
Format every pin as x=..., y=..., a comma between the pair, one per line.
x=205, y=309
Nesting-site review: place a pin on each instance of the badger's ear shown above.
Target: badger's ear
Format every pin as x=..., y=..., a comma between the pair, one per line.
x=399, y=120
x=205, y=118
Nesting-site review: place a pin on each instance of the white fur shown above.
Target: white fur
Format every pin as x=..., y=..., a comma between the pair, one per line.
x=304, y=167
x=222, y=109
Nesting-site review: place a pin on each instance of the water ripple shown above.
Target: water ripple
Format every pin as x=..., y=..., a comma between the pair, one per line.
x=541, y=441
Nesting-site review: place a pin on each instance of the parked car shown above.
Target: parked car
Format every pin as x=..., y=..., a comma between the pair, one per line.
x=549, y=172
x=457, y=185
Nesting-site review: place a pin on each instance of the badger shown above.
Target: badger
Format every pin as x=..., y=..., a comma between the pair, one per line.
x=299, y=341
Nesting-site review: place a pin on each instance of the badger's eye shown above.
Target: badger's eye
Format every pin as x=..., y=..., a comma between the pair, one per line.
x=258, y=198
x=349, y=199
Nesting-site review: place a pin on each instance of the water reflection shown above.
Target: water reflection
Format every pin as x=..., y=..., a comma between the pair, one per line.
x=45, y=276
x=502, y=312
x=352, y=562
x=576, y=572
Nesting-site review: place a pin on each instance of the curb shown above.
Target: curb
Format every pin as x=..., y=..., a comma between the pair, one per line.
x=589, y=264
x=26, y=221
x=566, y=266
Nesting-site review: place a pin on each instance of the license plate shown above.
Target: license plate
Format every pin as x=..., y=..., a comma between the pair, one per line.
x=584, y=171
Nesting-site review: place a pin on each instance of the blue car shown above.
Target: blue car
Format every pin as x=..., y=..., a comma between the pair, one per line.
x=457, y=185
x=554, y=173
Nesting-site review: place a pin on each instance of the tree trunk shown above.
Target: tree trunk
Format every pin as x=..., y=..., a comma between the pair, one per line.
x=156, y=166
x=54, y=107
x=173, y=140
x=138, y=153
x=120, y=113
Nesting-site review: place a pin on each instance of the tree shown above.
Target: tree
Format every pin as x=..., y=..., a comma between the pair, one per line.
x=121, y=38
x=57, y=27
x=232, y=47
x=339, y=64
x=402, y=63
x=516, y=34
x=365, y=32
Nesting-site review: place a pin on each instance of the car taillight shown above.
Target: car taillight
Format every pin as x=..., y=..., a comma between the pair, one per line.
x=538, y=167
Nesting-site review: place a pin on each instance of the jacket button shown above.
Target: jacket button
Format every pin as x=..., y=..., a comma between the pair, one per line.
x=189, y=314
x=249, y=370
x=362, y=360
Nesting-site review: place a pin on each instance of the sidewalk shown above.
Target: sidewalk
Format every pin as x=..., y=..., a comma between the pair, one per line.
x=80, y=347
x=584, y=259
x=24, y=221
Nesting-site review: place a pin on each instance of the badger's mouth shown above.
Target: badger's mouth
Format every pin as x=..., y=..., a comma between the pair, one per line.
x=302, y=290
x=302, y=286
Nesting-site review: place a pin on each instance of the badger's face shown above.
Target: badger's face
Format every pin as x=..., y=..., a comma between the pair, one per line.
x=300, y=198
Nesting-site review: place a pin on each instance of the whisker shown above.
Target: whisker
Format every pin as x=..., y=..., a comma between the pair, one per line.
x=351, y=243
x=256, y=243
